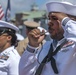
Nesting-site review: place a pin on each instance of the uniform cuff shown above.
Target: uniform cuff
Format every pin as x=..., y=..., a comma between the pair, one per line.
x=32, y=49
x=65, y=20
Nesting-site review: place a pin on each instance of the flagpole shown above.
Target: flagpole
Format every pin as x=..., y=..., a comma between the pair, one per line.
x=7, y=13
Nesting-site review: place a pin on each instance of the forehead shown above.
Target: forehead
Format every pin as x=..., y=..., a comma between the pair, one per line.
x=49, y=14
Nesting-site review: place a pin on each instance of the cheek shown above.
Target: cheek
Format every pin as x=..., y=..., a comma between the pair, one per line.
x=57, y=26
x=2, y=40
x=55, y=31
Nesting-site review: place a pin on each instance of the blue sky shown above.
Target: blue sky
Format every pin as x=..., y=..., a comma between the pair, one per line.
x=25, y=5
x=40, y=2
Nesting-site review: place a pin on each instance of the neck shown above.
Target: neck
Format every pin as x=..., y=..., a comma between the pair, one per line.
x=60, y=38
x=2, y=48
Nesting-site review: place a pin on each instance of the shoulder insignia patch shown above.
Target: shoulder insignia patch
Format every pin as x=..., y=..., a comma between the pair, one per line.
x=69, y=43
x=4, y=57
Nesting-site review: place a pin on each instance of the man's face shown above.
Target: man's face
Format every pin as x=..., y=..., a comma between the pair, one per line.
x=55, y=28
x=4, y=40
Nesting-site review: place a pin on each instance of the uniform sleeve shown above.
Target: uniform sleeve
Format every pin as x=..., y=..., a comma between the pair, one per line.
x=13, y=67
x=69, y=27
x=28, y=62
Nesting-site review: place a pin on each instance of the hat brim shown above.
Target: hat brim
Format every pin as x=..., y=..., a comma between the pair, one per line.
x=31, y=24
x=8, y=25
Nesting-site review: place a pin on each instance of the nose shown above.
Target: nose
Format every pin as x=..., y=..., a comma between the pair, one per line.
x=50, y=24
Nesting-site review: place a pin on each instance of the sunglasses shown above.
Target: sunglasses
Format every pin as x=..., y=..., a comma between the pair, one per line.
x=2, y=31
x=6, y=30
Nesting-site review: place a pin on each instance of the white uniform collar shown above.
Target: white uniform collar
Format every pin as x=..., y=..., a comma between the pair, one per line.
x=7, y=50
x=59, y=42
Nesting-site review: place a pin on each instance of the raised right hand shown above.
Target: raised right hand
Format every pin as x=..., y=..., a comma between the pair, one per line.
x=35, y=38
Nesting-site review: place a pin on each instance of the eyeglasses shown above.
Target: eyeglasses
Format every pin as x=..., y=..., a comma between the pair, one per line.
x=1, y=32
x=6, y=30
x=4, y=35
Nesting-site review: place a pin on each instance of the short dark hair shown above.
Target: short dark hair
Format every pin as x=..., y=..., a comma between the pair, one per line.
x=14, y=38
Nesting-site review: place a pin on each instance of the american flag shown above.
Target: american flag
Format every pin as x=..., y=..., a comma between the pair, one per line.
x=1, y=12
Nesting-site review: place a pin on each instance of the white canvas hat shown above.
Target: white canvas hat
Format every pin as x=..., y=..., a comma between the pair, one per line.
x=4, y=24
x=64, y=7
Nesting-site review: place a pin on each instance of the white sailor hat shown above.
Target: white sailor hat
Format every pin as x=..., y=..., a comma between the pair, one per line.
x=19, y=36
x=7, y=25
x=31, y=24
x=64, y=7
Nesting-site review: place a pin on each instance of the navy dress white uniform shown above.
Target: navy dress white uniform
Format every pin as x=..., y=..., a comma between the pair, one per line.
x=9, y=58
x=65, y=58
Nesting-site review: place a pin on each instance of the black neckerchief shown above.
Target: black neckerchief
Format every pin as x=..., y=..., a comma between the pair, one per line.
x=49, y=57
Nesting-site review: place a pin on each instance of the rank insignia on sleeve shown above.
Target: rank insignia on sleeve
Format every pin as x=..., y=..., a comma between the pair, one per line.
x=69, y=43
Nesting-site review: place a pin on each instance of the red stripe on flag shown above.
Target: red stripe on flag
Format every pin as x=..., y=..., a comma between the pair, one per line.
x=1, y=12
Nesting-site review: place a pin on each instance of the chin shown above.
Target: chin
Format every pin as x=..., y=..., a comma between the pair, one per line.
x=53, y=37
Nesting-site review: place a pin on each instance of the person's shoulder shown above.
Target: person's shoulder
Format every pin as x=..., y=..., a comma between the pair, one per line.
x=14, y=55
x=22, y=44
x=23, y=41
x=26, y=40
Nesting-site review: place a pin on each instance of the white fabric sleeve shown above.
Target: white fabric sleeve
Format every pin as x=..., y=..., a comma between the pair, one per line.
x=28, y=59
x=13, y=67
x=69, y=27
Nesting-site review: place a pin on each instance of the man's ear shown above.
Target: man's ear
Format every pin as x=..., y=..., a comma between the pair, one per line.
x=9, y=38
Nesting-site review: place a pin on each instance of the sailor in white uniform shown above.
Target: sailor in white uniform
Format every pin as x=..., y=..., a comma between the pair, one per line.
x=57, y=57
x=9, y=57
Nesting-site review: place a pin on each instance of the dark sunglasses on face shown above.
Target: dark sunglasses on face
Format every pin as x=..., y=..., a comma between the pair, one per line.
x=6, y=30
x=2, y=31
